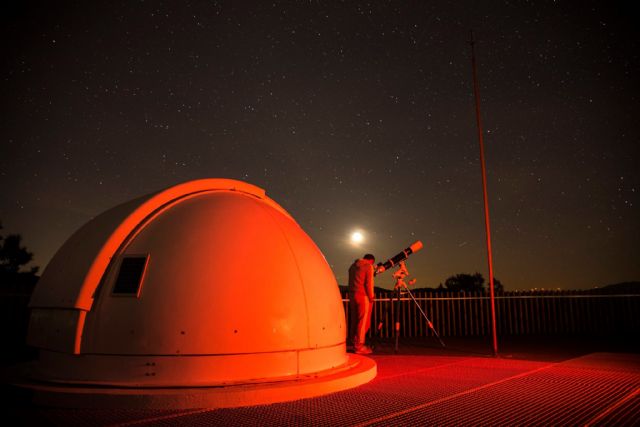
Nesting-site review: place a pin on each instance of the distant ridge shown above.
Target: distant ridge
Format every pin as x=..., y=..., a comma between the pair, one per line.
x=619, y=288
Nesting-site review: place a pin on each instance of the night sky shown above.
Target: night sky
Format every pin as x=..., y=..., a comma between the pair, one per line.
x=355, y=115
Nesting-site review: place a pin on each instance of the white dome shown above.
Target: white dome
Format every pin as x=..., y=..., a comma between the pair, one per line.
x=206, y=283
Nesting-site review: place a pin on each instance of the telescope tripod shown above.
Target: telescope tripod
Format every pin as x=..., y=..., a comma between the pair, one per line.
x=400, y=288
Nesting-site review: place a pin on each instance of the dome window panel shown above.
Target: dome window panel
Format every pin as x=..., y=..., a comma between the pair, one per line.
x=130, y=275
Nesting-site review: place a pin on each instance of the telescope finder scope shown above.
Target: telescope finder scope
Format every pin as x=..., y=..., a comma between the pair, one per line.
x=413, y=248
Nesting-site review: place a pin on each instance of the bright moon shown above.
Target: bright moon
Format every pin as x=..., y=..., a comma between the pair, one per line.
x=356, y=237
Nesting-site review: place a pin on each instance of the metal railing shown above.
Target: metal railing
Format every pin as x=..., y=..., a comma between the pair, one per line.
x=464, y=314
x=517, y=313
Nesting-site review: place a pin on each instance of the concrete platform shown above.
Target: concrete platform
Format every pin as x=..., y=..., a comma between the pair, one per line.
x=426, y=385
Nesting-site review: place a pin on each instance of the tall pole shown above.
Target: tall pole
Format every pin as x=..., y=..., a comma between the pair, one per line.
x=476, y=94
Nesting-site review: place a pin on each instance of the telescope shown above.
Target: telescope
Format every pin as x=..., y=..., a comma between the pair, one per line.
x=391, y=262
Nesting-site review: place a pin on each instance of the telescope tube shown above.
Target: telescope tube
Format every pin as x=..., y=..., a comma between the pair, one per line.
x=415, y=247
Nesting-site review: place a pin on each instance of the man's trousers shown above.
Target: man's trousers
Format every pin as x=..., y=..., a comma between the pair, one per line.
x=360, y=318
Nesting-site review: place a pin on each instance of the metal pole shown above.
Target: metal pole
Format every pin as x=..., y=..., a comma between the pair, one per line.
x=485, y=197
x=397, y=320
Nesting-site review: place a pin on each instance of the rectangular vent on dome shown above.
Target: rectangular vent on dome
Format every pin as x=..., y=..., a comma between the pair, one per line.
x=130, y=275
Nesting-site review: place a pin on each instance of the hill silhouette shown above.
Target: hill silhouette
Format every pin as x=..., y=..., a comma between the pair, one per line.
x=620, y=288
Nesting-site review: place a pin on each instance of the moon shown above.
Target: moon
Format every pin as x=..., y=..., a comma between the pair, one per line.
x=357, y=237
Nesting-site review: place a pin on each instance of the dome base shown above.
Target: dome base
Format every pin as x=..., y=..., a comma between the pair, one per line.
x=160, y=371
x=359, y=370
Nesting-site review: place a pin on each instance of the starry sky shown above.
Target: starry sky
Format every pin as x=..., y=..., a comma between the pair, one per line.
x=351, y=115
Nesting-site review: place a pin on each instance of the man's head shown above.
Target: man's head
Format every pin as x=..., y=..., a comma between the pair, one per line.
x=370, y=258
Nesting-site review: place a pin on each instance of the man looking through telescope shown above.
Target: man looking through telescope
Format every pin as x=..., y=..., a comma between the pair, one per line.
x=360, y=302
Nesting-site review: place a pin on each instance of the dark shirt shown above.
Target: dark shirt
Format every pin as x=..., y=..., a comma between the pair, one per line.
x=361, y=278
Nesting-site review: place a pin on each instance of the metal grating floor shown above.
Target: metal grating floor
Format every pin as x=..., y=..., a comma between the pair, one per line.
x=597, y=389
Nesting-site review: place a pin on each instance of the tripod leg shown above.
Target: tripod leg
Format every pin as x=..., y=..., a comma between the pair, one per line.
x=425, y=316
x=387, y=317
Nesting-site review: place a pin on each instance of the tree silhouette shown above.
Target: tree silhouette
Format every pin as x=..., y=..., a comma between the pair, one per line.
x=465, y=282
x=13, y=257
x=470, y=283
x=497, y=285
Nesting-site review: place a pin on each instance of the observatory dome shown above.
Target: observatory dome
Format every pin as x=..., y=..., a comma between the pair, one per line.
x=207, y=283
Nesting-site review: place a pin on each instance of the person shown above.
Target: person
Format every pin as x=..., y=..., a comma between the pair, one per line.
x=360, y=302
